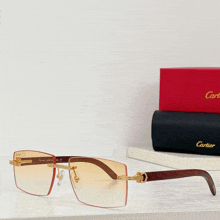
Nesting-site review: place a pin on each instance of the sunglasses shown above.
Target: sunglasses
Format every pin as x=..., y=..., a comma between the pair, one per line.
x=96, y=182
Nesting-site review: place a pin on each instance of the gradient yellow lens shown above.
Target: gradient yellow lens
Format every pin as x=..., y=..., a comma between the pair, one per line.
x=95, y=181
x=33, y=175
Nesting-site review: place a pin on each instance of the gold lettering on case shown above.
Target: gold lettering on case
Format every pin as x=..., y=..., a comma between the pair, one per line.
x=208, y=145
x=210, y=95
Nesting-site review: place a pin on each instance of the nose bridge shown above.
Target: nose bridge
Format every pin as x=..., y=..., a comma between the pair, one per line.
x=62, y=166
x=60, y=175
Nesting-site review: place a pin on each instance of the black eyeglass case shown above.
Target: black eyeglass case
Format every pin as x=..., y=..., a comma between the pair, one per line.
x=186, y=132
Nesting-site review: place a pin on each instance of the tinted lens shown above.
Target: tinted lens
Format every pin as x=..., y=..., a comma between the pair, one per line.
x=95, y=181
x=34, y=176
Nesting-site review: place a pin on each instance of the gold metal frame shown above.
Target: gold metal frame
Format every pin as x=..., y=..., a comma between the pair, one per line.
x=61, y=166
x=18, y=161
x=139, y=177
x=76, y=178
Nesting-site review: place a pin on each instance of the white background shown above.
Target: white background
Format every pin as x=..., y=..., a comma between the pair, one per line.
x=82, y=77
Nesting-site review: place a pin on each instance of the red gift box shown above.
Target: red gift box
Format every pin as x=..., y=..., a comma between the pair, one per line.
x=190, y=89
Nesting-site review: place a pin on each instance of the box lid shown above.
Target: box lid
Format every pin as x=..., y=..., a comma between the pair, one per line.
x=190, y=89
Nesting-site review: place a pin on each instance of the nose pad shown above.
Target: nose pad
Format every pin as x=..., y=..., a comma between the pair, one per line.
x=60, y=176
x=75, y=178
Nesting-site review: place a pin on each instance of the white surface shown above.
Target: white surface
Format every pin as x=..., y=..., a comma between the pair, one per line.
x=84, y=75
x=181, y=197
x=174, y=160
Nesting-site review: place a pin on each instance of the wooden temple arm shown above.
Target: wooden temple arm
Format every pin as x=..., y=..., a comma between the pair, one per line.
x=173, y=174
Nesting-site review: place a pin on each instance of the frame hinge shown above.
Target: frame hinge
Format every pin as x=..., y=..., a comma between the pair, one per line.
x=139, y=177
x=18, y=161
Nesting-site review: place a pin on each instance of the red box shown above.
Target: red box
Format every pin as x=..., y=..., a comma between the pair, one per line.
x=190, y=89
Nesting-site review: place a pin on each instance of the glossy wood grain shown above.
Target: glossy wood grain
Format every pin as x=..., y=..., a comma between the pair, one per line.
x=175, y=174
